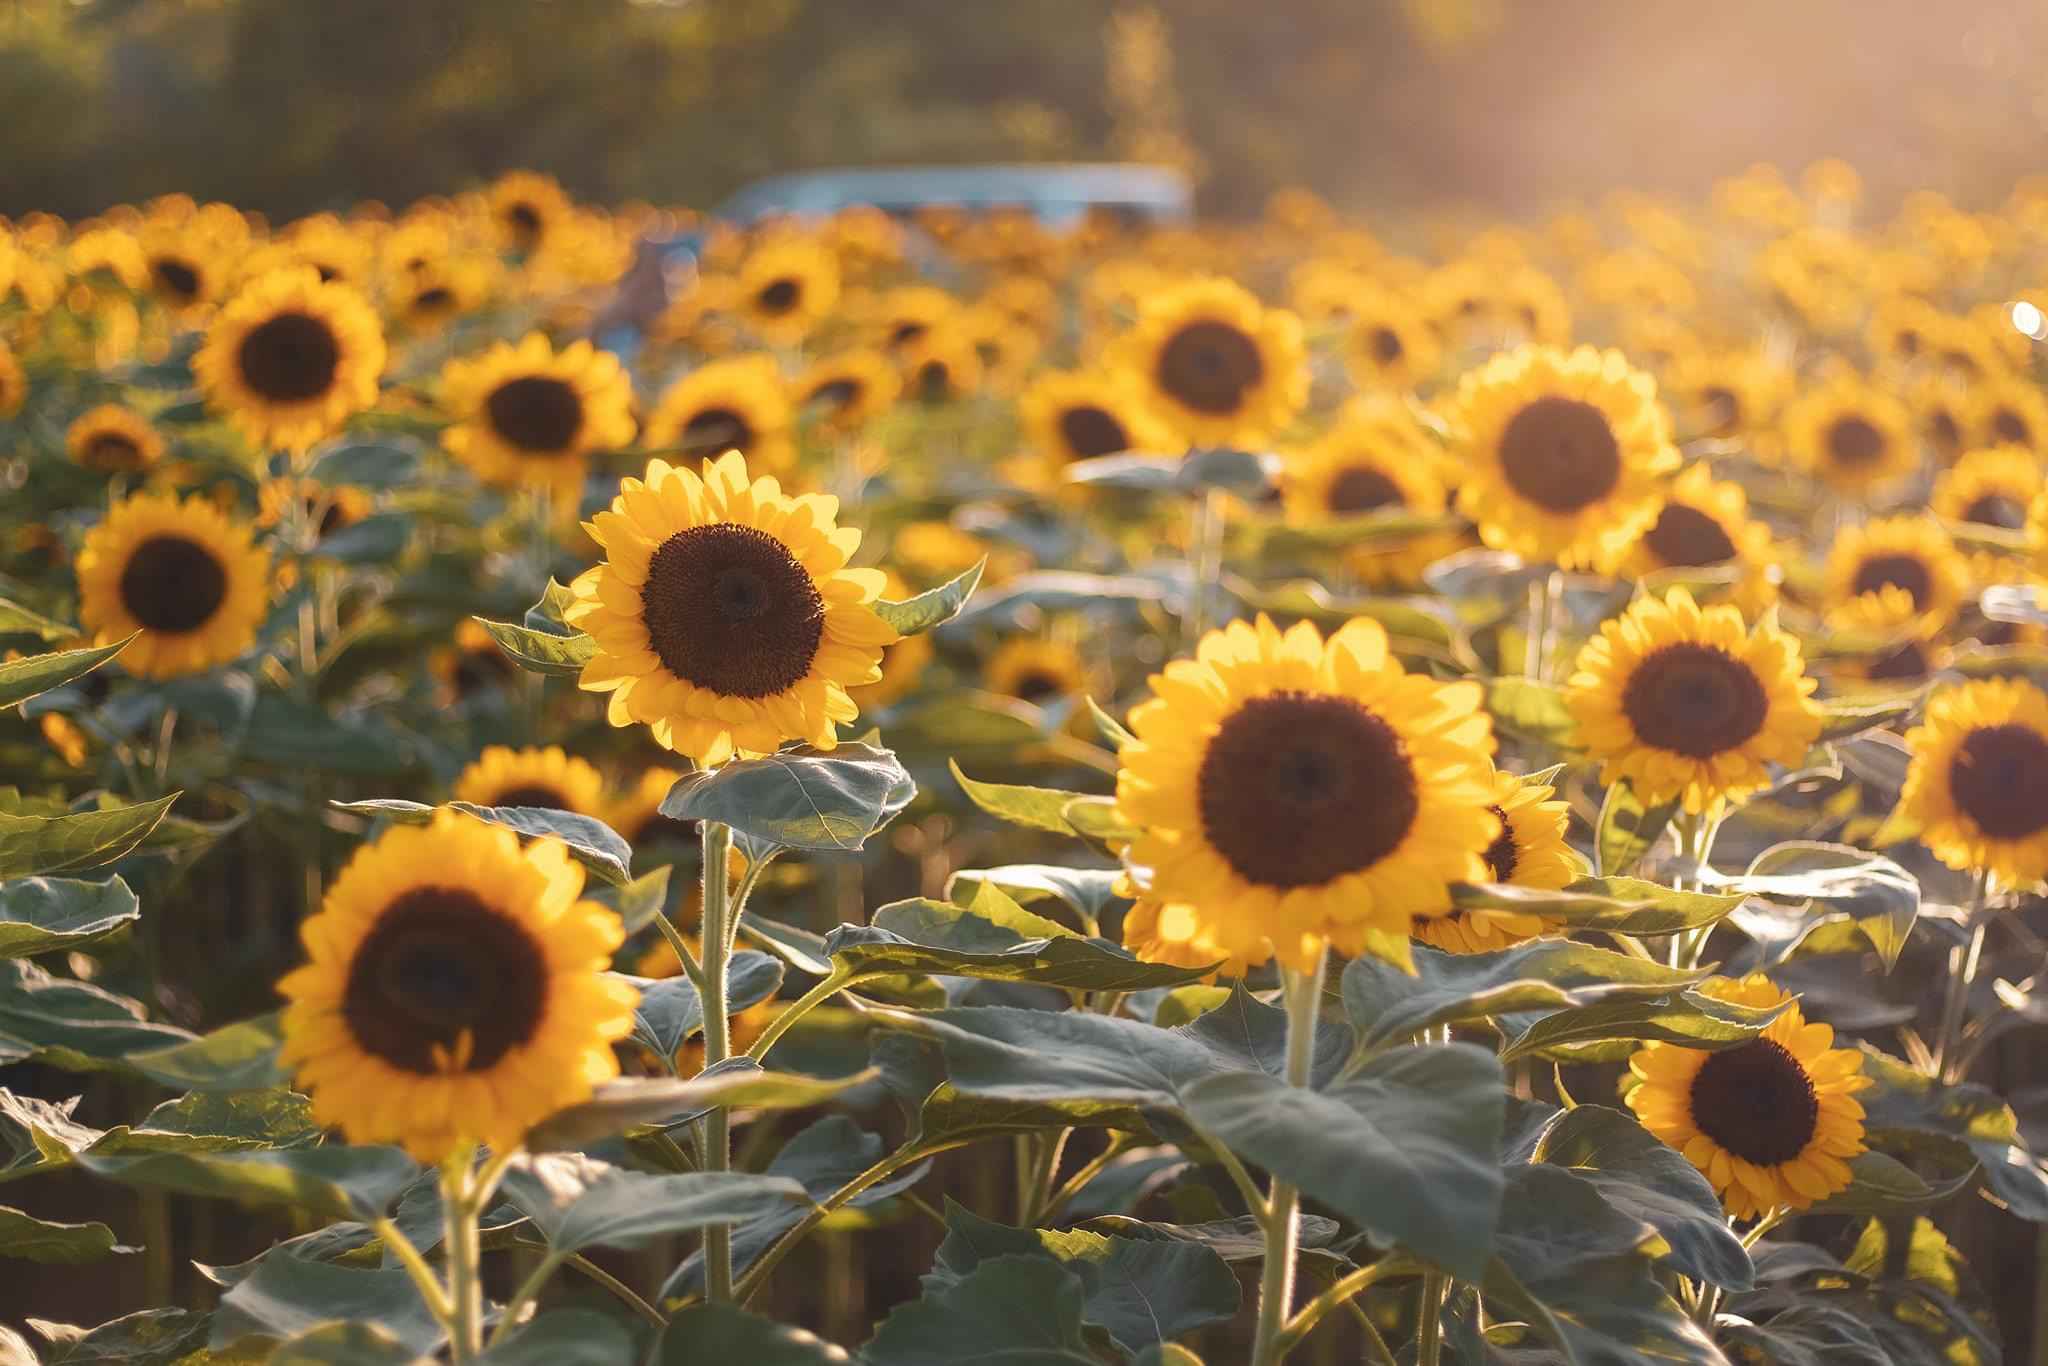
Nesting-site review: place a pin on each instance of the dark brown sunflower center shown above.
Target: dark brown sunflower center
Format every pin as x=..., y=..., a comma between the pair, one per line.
x=173, y=585
x=1039, y=685
x=175, y=278
x=536, y=414
x=715, y=430
x=1298, y=789
x=1999, y=778
x=779, y=296
x=906, y=332
x=289, y=358
x=1362, y=488
x=525, y=221
x=533, y=794
x=1995, y=509
x=1208, y=366
x=1854, y=441
x=837, y=393
x=1501, y=856
x=1909, y=572
x=1560, y=454
x=1724, y=409
x=112, y=451
x=934, y=381
x=1908, y=661
x=2010, y=426
x=433, y=299
x=1947, y=432
x=437, y=965
x=1686, y=536
x=1696, y=700
x=1756, y=1101
x=1090, y=432
x=1386, y=345
x=728, y=608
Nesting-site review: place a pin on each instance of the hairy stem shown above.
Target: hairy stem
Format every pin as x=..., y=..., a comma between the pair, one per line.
x=1303, y=992
x=716, y=1155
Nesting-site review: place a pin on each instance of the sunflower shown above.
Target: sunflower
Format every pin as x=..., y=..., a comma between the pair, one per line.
x=1388, y=344
x=1944, y=416
x=905, y=315
x=2037, y=532
x=184, y=574
x=1530, y=851
x=1175, y=932
x=1705, y=522
x=330, y=507
x=529, y=414
x=63, y=736
x=1772, y=1122
x=291, y=358
x=112, y=439
x=1728, y=394
x=942, y=364
x=109, y=253
x=787, y=287
x=1005, y=347
x=1071, y=415
x=550, y=778
x=729, y=405
x=636, y=812
x=1912, y=553
x=1376, y=458
x=1565, y=455
x=186, y=271
x=1214, y=364
x=526, y=209
x=1691, y=702
x=471, y=664
x=1041, y=672
x=1293, y=791
x=1902, y=329
x=1991, y=487
x=1978, y=785
x=1851, y=433
x=724, y=614
x=13, y=382
x=849, y=389
x=2012, y=412
x=442, y=289
x=455, y=990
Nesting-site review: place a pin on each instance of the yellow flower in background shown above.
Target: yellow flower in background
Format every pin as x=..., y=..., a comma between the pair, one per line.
x=291, y=358
x=941, y=364
x=113, y=439
x=1705, y=523
x=13, y=382
x=550, y=778
x=1692, y=703
x=62, y=734
x=2012, y=412
x=1852, y=433
x=1772, y=1122
x=1728, y=393
x=1214, y=364
x=187, y=270
x=1943, y=415
x=725, y=616
x=1530, y=851
x=1991, y=487
x=1075, y=415
x=635, y=812
x=109, y=252
x=904, y=315
x=848, y=389
x=1294, y=792
x=455, y=990
x=527, y=210
x=1909, y=553
x=1895, y=637
x=2037, y=532
x=471, y=664
x=529, y=415
x=184, y=574
x=1978, y=785
x=1565, y=456
x=1388, y=344
x=1041, y=672
x=787, y=287
x=1375, y=458
x=729, y=405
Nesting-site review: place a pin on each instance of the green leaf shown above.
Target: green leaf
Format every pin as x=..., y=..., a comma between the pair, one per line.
x=1108, y=726
x=670, y=1011
x=1628, y=829
x=1009, y=1311
x=367, y=465
x=1874, y=891
x=35, y=846
x=1090, y=891
x=1608, y=1031
x=286, y=1296
x=565, y=1337
x=16, y=620
x=1617, y=905
x=939, y=938
x=1409, y=1147
x=74, y=1025
x=639, y=901
x=41, y=915
x=22, y=679
x=1139, y=1291
x=345, y=1344
x=830, y=801
x=342, y=1183
x=541, y=652
x=1035, y=808
x=1386, y=1004
x=217, y=1120
x=1099, y=818
x=236, y=1057
x=1531, y=709
x=38, y=1240
x=630, y=1102
x=722, y=1333
x=915, y=616
x=578, y=1202
x=1844, y=717
x=1881, y=1184
x=595, y=845
x=149, y=1337
x=291, y=733
x=1910, y=1104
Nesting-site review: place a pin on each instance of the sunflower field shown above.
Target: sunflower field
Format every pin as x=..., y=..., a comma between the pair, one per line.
x=931, y=789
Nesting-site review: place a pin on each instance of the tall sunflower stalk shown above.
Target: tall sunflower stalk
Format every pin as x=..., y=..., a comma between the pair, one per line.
x=1281, y=1216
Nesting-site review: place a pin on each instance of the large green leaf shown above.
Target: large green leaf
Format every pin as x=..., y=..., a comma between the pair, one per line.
x=1628, y=827
x=1409, y=1147
x=342, y=1183
x=721, y=1333
x=1531, y=709
x=1090, y=891
x=566, y=1337
x=542, y=652
x=345, y=1344
x=632, y=1102
x=148, y=1337
x=670, y=1011
x=578, y=1202
x=286, y=1296
x=1035, y=808
x=42, y=914
x=1609, y=1031
x=595, y=845
x=1140, y=1291
x=936, y=607
x=16, y=620
x=1386, y=1004
x=36, y=846
x=1874, y=891
x=22, y=679
x=830, y=801
x=1617, y=905
x=74, y=1025
x=293, y=733
x=1844, y=717
x=1009, y=1311
x=220, y=1120
x=236, y=1057
x=938, y=937
x=39, y=1240
x=1911, y=1110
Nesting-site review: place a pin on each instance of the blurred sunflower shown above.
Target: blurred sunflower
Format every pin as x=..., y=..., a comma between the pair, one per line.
x=729, y=405
x=330, y=507
x=1772, y=1122
x=1294, y=791
x=1530, y=851
x=2012, y=412
x=1727, y=393
x=1565, y=456
x=1944, y=416
x=724, y=613
x=906, y=314
x=942, y=365
x=787, y=287
x=1215, y=365
x=1887, y=636
x=1978, y=784
x=848, y=389
x=290, y=358
x=1851, y=433
x=186, y=272
x=105, y=254
x=439, y=291
x=64, y=737
x=1375, y=458
x=1041, y=672
x=2037, y=532
x=636, y=812
x=903, y=662
x=1074, y=415
x=13, y=382
x=1005, y=347
x=471, y=664
x=1691, y=703
x=530, y=415
x=184, y=574
x=1705, y=522
x=1388, y=344
x=526, y=209
x=1910, y=553
x=1903, y=329
x=551, y=778
x=455, y=990
x=113, y=439
x=1989, y=487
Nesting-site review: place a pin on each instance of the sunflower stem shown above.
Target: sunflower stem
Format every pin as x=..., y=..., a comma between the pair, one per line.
x=1303, y=992
x=463, y=1254
x=415, y=1266
x=1962, y=974
x=827, y=987
x=716, y=939
x=1429, y=1323
x=1207, y=565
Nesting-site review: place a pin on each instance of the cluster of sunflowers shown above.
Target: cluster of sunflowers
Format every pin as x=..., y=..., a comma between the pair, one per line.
x=1499, y=670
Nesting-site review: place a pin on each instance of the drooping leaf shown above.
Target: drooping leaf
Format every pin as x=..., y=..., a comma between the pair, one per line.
x=630, y=1102
x=342, y=1183
x=723, y=1333
x=1016, y=1311
x=344, y=1344
x=1035, y=808
x=578, y=1202
x=236, y=1057
x=31, y=1239
x=1090, y=891
x=670, y=1011
x=148, y=1337
x=1531, y=709
x=220, y=1120
x=1843, y=717
x=1876, y=892
x=936, y=607
x=1628, y=828
x=41, y=915
x=1617, y=905
x=937, y=937
x=595, y=845
x=1609, y=1031
x=39, y=846
x=829, y=801
x=564, y=1337
x=287, y=1296
x=541, y=652
x=74, y=1025
x=16, y=620
x=22, y=679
